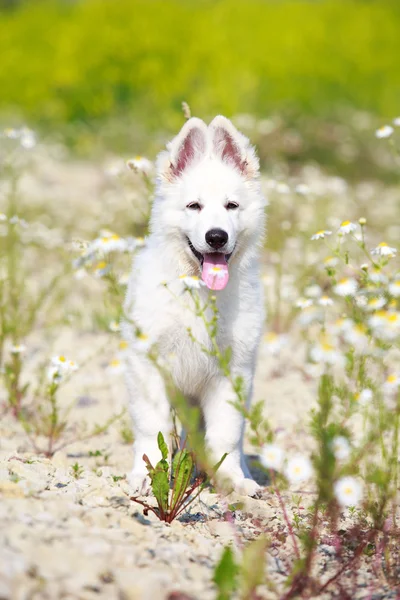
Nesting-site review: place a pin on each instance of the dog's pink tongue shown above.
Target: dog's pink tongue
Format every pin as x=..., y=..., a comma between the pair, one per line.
x=215, y=271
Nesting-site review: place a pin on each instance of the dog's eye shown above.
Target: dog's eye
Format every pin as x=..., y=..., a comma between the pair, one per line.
x=194, y=206
x=231, y=205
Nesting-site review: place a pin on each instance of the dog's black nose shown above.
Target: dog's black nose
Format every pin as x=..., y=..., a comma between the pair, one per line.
x=216, y=238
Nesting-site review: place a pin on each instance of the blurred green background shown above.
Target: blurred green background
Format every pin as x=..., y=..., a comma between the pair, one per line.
x=106, y=73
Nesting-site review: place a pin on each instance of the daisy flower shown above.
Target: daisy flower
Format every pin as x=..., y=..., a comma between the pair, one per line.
x=391, y=384
x=394, y=288
x=109, y=242
x=282, y=188
x=384, y=132
x=341, y=447
x=114, y=326
x=142, y=342
x=3, y=217
x=347, y=227
x=304, y=303
x=192, y=281
x=320, y=235
x=140, y=164
x=115, y=367
x=271, y=457
x=383, y=249
x=376, y=275
x=357, y=337
x=27, y=139
x=396, y=121
x=313, y=291
x=17, y=349
x=364, y=397
x=348, y=491
x=123, y=345
x=302, y=189
x=101, y=269
x=59, y=361
x=325, y=301
x=375, y=303
x=331, y=261
x=274, y=343
x=325, y=353
x=346, y=287
x=298, y=469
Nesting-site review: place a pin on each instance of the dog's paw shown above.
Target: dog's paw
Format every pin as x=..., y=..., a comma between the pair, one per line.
x=247, y=487
x=139, y=483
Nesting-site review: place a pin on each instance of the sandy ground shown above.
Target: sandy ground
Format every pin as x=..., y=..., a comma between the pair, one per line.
x=82, y=538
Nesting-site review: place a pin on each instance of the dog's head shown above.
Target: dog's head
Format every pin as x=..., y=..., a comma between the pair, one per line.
x=209, y=198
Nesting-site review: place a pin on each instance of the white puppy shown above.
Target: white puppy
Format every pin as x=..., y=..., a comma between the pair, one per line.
x=208, y=221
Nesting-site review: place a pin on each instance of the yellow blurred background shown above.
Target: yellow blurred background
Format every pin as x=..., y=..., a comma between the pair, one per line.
x=106, y=73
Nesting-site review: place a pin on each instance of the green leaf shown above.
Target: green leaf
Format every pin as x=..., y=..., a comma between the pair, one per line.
x=183, y=466
x=253, y=566
x=162, y=445
x=225, y=575
x=160, y=487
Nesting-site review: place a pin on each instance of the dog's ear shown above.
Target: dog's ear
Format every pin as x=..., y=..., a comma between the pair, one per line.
x=188, y=146
x=233, y=147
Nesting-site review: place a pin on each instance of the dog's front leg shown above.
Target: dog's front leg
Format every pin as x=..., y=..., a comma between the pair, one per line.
x=224, y=431
x=150, y=412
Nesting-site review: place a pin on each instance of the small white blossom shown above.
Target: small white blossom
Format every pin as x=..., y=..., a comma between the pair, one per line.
x=27, y=139
x=347, y=227
x=140, y=164
x=396, y=121
x=348, y=491
x=274, y=343
x=394, y=288
x=357, y=337
x=3, y=217
x=325, y=301
x=341, y=447
x=115, y=367
x=346, y=287
x=331, y=261
x=17, y=349
x=313, y=291
x=114, y=326
x=302, y=189
x=271, y=457
x=384, y=132
x=304, y=303
x=383, y=249
x=108, y=242
x=364, y=397
x=391, y=384
x=192, y=281
x=321, y=234
x=326, y=353
x=282, y=188
x=375, y=303
x=298, y=469
x=60, y=367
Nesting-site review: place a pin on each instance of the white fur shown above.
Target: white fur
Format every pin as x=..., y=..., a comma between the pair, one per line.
x=214, y=164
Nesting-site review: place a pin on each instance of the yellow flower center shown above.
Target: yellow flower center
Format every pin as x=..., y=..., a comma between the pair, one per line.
x=101, y=265
x=62, y=358
x=382, y=245
x=123, y=345
x=345, y=223
x=391, y=379
x=115, y=362
x=348, y=491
